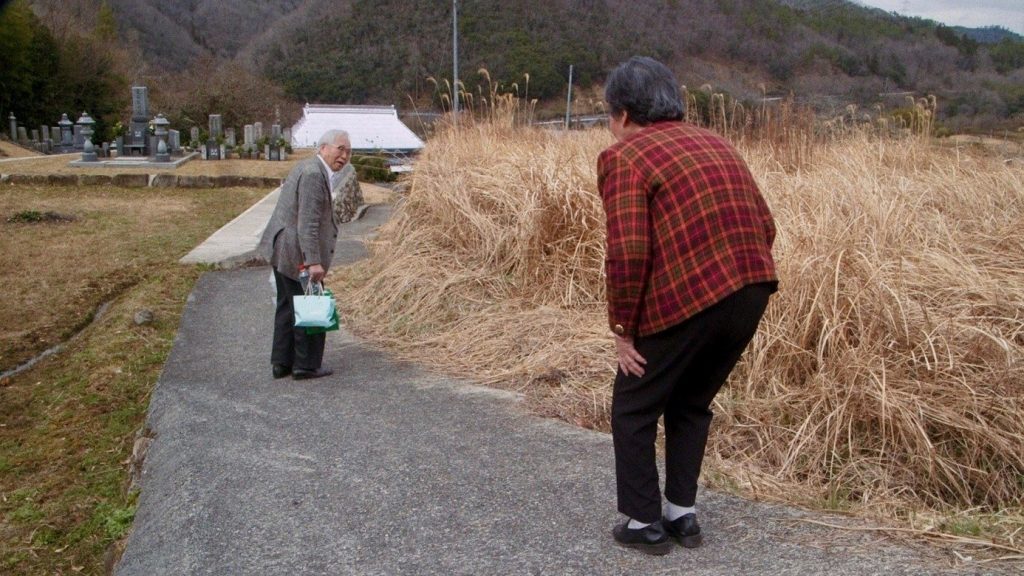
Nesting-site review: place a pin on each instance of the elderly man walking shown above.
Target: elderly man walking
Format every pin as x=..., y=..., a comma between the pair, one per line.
x=689, y=274
x=300, y=236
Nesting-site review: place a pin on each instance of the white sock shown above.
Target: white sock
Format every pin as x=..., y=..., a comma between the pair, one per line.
x=674, y=512
x=634, y=525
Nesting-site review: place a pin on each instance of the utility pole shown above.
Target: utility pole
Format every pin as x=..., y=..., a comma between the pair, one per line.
x=568, y=99
x=455, y=61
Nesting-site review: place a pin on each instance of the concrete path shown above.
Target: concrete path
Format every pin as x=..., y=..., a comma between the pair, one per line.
x=235, y=243
x=386, y=469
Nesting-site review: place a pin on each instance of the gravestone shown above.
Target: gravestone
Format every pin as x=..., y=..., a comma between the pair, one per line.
x=212, y=150
x=35, y=136
x=67, y=134
x=44, y=133
x=106, y=149
x=173, y=140
x=193, y=136
x=275, y=132
x=77, y=139
x=55, y=135
x=257, y=129
x=287, y=135
x=14, y=127
x=216, y=126
x=22, y=134
x=229, y=137
x=137, y=139
x=249, y=137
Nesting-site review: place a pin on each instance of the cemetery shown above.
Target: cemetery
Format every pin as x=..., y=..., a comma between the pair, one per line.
x=148, y=142
x=150, y=152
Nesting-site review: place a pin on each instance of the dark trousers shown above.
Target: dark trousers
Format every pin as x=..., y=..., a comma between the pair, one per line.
x=292, y=346
x=686, y=366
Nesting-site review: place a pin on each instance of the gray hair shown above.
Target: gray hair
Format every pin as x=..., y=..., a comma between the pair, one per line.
x=330, y=137
x=646, y=89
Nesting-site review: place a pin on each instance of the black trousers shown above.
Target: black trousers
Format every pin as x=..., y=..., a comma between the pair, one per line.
x=686, y=366
x=292, y=346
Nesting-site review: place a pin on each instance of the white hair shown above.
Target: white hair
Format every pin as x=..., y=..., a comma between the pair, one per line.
x=330, y=137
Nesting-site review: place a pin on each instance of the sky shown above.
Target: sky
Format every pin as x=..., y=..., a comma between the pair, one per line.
x=971, y=13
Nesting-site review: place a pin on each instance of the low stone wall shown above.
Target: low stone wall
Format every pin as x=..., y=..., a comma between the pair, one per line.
x=142, y=180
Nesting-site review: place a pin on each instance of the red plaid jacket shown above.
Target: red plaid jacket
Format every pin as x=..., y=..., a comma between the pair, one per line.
x=687, y=226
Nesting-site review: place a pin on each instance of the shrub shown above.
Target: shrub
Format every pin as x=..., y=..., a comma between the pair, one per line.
x=372, y=169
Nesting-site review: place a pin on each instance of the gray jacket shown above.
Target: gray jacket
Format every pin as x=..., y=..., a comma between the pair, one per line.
x=303, y=229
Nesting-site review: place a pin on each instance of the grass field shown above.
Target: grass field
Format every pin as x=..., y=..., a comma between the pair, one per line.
x=67, y=425
x=885, y=381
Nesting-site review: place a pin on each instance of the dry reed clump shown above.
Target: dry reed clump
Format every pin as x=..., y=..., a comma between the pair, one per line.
x=491, y=266
x=889, y=369
x=886, y=376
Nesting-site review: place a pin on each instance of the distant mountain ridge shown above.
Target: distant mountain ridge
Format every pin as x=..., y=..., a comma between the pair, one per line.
x=827, y=52
x=989, y=34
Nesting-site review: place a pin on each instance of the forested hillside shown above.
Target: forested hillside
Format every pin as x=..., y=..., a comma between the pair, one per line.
x=828, y=53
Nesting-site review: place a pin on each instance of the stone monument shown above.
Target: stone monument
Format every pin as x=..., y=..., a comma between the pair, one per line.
x=160, y=134
x=137, y=139
x=67, y=134
x=216, y=126
x=88, y=150
x=249, y=138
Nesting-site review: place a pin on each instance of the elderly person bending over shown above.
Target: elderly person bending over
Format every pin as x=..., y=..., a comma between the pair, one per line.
x=301, y=235
x=689, y=274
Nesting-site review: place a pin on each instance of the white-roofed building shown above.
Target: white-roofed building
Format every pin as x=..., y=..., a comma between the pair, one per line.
x=370, y=128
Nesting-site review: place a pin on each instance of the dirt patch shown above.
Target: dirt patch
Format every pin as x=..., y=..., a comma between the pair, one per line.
x=37, y=217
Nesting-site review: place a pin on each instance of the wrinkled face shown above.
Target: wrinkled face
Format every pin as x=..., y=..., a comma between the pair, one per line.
x=336, y=154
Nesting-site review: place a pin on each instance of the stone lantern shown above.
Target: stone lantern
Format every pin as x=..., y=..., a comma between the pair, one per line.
x=160, y=125
x=88, y=150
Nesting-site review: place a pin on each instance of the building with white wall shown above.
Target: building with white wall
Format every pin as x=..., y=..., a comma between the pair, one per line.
x=371, y=128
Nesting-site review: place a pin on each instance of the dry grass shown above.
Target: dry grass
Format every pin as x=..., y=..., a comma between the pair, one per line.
x=9, y=149
x=886, y=379
x=195, y=167
x=61, y=272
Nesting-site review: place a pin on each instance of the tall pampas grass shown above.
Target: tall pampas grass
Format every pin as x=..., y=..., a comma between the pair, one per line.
x=887, y=377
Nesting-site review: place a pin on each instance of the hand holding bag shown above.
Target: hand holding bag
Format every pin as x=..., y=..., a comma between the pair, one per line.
x=334, y=325
x=314, y=309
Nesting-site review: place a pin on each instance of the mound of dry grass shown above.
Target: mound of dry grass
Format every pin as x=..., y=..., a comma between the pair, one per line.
x=886, y=377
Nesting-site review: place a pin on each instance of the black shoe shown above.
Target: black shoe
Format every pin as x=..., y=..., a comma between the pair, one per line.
x=649, y=539
x=280, y=370
x=685, y=530
x=299, y=374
